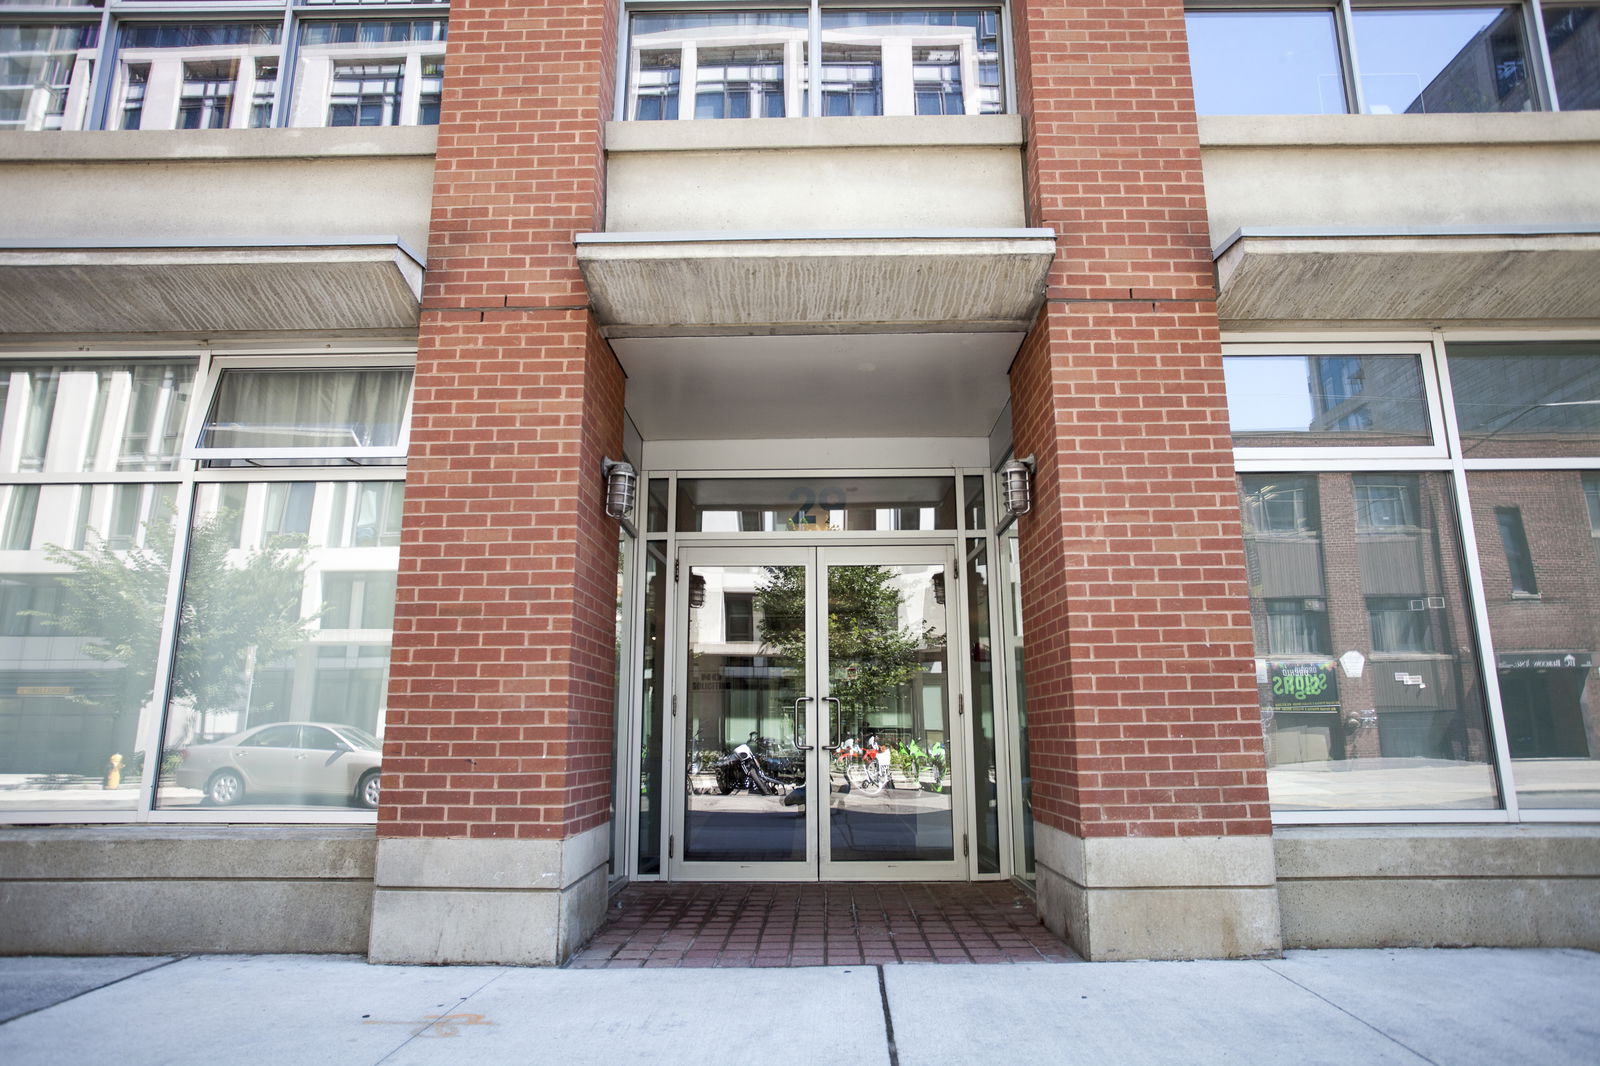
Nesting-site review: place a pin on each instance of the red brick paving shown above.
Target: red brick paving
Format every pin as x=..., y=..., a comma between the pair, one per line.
x=654, y=924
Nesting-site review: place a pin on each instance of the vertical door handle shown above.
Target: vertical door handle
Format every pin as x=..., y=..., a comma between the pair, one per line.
x=797, y=731
x=833, y=722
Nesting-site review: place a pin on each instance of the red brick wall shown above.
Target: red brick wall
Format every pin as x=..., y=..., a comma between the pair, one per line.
x=1141, y=699
x=500, y=704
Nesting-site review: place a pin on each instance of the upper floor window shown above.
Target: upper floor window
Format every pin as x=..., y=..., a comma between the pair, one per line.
x=778, y=62
x=1390, y=59
x=212, y=71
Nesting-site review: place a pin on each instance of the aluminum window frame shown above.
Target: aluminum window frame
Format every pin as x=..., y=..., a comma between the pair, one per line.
x=1439, y=396
x=812, y=92
x=187, y=476
x=1540, y=73
x=103, y=104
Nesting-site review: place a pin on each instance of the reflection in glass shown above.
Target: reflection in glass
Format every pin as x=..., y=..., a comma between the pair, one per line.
x=746, y=773
x=1364, y=648
x=807, y=505
x=1022, y=832
x=1437, y=60
x=1283, y=401
x=93, y=417
x=373, y=72
x=279, y=625
x=1526, y=399
x=1543, y=597
x=193, y=75
x=653, y=690
x=80, y=625
x=1573, y=34
x=742, y=64
x=888, y=687
x=44, y=75
x=904, y=61
x=985, y=754
x=1265, y=63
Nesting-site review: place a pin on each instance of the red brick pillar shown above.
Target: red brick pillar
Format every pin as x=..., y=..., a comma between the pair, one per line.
x=1144, y=732
x=493, y=830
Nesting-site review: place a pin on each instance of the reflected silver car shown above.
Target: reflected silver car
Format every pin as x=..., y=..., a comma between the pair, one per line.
x=286, y=761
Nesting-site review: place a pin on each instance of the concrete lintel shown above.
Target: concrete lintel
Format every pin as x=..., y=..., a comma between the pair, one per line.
x=765, y=286
x=1340, y=131
x=907, y=131
x=178, y=289
x=1158, y=898
x=1409, y=278
x=515, y=902
x=120, y=146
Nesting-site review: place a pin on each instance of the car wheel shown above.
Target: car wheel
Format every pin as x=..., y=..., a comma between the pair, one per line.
x=367, y=790
x=224, y=788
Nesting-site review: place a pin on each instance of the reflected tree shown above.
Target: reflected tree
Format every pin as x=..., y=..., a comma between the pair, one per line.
x=870, y=654
x=241, y=609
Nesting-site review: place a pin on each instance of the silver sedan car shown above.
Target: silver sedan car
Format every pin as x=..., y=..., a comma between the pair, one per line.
x=286, y=761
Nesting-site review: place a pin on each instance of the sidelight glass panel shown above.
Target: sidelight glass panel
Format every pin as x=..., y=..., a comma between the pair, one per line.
x=985, y=752
x=654, y=699
x=889, y=705
x=746, y=771
x=1369, y=684
x=1542, y=591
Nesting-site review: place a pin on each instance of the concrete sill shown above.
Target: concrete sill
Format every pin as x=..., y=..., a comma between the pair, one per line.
x=115, y=146
x=893, y=131
x=1354, y=131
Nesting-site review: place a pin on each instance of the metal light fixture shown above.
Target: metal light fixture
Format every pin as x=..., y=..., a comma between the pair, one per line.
x=1016, y=476
x=622, y=488
x=938, y=588
x=697, y=591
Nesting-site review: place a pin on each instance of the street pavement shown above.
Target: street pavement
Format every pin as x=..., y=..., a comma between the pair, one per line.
x=1440, y=1007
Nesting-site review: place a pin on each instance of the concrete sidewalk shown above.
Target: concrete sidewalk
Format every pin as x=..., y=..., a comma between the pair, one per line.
x=1447, y=1008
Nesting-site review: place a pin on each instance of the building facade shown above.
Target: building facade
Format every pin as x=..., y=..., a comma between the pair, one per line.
x=456, y=459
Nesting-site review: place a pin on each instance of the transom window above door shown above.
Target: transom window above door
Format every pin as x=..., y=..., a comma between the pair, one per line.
x=787, y=62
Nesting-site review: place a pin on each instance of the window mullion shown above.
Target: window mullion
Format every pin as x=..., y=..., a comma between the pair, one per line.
x=814, y=61
x=104, y=73
x=1352, y=67
x=1546, y=79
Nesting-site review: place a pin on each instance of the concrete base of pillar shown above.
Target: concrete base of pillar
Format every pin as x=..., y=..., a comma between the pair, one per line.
x=517, y=902
x=1158, y=897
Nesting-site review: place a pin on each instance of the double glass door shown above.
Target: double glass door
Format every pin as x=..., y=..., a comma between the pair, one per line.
x=814, y=732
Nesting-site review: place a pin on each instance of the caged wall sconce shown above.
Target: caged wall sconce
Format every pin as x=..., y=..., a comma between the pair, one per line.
x=622, y=490
x=1016, y=477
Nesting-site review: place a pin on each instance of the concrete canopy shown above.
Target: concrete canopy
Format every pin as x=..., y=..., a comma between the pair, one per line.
x=357, y=285
x=666, y=284
x=1411, y=277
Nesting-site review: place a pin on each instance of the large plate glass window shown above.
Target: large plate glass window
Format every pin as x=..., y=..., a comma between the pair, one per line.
x=45, y=74
x=279, y=685
x=259, y=417
x=83, y=573
x=200, y=75
x=378, y=72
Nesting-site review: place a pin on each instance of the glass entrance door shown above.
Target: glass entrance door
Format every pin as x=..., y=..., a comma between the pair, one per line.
x=813, y=722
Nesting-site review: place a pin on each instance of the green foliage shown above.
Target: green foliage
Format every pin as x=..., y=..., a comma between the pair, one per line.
x=870, y=655
x=237, y=615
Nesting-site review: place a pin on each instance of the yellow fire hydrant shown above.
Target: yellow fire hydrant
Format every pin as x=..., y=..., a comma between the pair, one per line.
x=114, y=771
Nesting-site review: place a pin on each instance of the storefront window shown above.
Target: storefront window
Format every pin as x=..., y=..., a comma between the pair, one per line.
x=1379, y=684
x=283, y=640
x=1365, y=664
